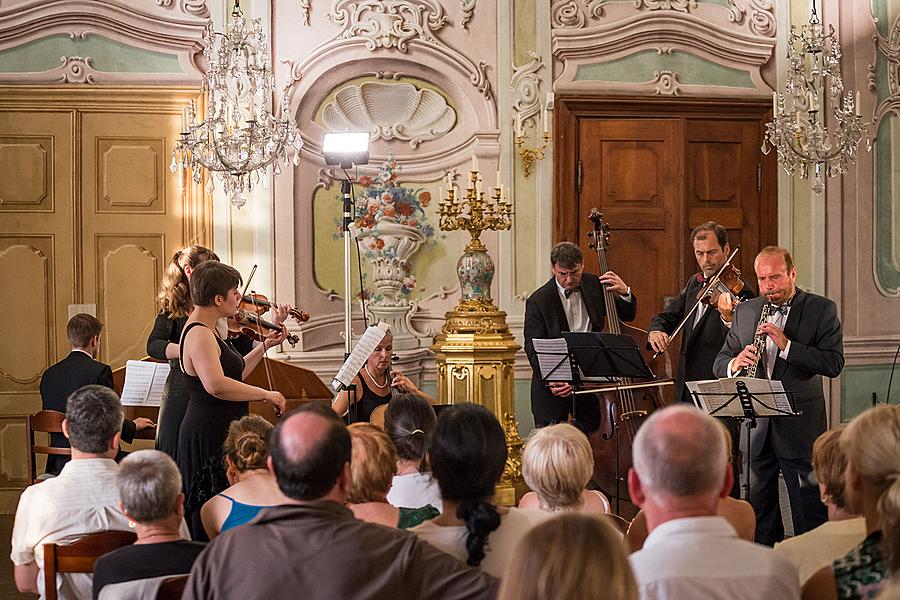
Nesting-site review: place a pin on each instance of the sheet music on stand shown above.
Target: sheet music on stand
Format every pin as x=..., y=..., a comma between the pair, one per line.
x=364, y=347
x=714, y=395
x=553, y=359
x=144, y=383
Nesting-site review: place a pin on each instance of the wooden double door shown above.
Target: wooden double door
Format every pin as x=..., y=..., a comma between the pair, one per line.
x=656, y=169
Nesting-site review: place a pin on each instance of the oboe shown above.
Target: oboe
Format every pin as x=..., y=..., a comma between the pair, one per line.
x=759, y=342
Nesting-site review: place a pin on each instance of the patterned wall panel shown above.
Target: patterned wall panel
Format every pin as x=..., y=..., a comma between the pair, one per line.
x=128, y=268
x=27, y=346
x=32, y=155
x=130, y=173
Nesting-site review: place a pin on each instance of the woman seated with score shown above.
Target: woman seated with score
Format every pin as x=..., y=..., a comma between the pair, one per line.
x=375, y=383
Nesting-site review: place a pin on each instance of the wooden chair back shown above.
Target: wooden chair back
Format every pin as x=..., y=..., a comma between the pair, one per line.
x=172, y=588
x=45, y=421
x=80, y=556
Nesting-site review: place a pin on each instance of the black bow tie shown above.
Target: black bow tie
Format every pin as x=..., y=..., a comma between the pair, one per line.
x=574, y=290
x=780, y=309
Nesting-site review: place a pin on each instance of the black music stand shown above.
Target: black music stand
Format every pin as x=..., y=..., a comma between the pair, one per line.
x=747, y=408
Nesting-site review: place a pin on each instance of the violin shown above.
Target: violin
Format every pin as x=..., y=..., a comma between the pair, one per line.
x=255, y=327
x=727, y=281
x=259, y=304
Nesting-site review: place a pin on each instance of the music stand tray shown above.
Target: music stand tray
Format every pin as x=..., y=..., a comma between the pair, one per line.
x=607, y=355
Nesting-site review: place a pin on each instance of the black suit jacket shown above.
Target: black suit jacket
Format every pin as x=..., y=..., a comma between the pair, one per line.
x=545, y=318
x=57, y=384
x=817, y=350
x=700, y=344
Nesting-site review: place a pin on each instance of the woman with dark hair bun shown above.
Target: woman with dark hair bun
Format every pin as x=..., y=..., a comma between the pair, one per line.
x=468, y=455
x=409, y=421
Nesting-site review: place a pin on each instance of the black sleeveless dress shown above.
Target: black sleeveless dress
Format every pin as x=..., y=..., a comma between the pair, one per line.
x=202, y=433
x=361, y=412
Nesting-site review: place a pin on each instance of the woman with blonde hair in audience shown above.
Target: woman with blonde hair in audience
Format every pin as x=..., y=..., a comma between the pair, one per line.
x=557, y=465
x=871, y=443
x=737, y=512
x=149, y=486
x=468, y=456
x=372, y=465
x=843, y=531
x=570, y=556
x=253, y=487
x=409, y=421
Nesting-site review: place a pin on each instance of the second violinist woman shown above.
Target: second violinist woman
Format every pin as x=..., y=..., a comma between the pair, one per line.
x=213, y=374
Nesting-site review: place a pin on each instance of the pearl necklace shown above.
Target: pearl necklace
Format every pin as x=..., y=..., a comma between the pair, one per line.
x=380, y=386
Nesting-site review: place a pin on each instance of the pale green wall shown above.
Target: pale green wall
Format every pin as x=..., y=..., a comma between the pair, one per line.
x=106, y=55
x=642, y=66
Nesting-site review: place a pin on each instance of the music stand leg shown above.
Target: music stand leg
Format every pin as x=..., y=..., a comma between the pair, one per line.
x=745, y=487
x=618, y=472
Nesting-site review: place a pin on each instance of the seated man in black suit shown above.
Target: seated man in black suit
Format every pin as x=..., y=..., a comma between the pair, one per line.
x=74, y=371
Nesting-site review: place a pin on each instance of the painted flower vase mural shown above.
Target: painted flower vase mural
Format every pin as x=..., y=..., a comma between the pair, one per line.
x=392, y=227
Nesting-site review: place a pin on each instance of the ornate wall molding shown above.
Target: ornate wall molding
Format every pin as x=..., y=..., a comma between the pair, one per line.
x=304, y=6
x=136, y=24
x=388, y=23
x=468, y=10
x=390, y=111
x=676, y=5
x=663, y=31
x=526, y=84
x=196, y=8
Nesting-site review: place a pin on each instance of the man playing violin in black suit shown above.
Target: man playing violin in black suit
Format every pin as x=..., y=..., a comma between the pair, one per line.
x=570, y=301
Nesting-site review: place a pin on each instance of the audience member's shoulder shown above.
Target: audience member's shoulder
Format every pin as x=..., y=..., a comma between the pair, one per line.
x=526, y=517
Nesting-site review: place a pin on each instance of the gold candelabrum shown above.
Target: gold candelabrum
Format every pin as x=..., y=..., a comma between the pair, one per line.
x=475, y=352
x=530, y=155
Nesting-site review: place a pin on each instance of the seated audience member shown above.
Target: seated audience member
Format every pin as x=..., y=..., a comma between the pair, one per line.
x=737, y=512
x=871, y=443
x=78, y=369
x=371, y=470
x=409, y=422
x=468, y=454
x=312, y=546
x=557, y=465
x=680, y=472
x=253, y=488
x=82, y=500
x=150, y=495
x=819, y=547
x=570, y=556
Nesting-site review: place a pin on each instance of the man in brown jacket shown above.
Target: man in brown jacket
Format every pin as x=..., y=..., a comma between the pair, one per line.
x=313, y=546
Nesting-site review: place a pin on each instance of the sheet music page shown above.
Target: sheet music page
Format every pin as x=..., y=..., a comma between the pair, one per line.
x=158, y=385
x=364, y=347
x=552, y=355
x=712, y=395
x=140, y=377
x=766, y=402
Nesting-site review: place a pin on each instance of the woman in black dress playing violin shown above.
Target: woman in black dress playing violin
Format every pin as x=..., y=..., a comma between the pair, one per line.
x=213, y=373
x=375, y=383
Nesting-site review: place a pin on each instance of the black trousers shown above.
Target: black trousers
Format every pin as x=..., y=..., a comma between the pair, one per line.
x=807, y=510
x=584, y=408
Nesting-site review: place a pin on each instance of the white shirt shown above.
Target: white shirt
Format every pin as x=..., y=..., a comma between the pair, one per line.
x=702, y=557
x=415, y=490
x=821, y=546
x=576, y=313
x=82, y=499
x=772, y=352
x=500, y=543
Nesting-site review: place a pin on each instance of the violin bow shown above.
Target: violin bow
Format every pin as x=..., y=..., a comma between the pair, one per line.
x=713, y=281
x=259, y=327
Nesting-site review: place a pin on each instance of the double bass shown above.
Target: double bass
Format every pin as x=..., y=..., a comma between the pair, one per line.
x=625, y=405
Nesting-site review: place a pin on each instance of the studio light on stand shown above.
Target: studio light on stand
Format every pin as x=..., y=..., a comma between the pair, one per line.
x=346, y=150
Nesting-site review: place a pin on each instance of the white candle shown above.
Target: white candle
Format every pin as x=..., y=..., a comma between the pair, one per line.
x=518, y=124
x=184, y=118
x=544, y=117
x=498, y=178
x=474, y=163
x=774, y=103
x=440, y=194
x=858, y=107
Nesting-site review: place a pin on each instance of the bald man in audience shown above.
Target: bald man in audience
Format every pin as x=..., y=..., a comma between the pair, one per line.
x=313, y=546
x=680, y=472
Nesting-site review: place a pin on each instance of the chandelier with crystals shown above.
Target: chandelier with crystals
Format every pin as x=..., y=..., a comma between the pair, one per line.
x=239, y=136
x=801, y=130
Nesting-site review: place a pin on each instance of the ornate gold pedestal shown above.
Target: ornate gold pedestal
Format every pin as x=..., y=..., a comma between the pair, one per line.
x=475, y=363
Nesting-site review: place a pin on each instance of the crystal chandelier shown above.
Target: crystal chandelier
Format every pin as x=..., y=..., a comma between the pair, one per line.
x=238, y=137
x=800, y=129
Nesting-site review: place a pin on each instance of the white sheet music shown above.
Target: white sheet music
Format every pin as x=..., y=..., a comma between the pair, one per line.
x=552, y=355
x=714, y=394
x=364, y=347
x=144, y=383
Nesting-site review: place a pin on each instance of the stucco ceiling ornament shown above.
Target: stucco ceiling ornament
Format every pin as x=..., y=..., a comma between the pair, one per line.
x=304, y=7
x=468, y=9
x=762, y=17
x=76, y=69
x=667, y=83
x=595, y=7
x=566, y=14
x=388, y=23
x=390, y=111
x=736, y=11
x=677, y=5
x=526, y=85
x=196, y=8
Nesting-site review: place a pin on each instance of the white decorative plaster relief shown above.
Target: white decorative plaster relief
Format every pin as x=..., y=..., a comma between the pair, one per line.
x=135, y=23
x=75, y=69
x=526, y=86
x=388, y=23
x=666, y=83
x=678, y=5
x=468, y=9
x=304, y=6
x=390, y=111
